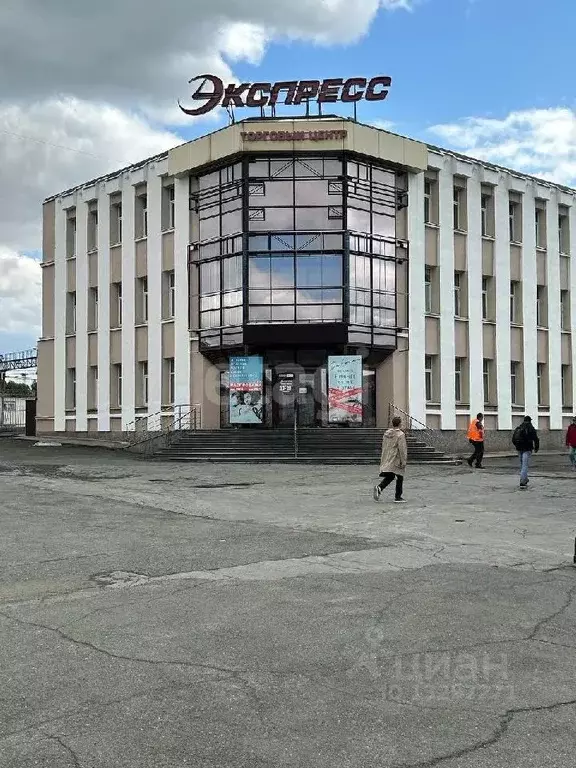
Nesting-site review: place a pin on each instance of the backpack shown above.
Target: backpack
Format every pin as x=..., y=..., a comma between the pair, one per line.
x=519, y=435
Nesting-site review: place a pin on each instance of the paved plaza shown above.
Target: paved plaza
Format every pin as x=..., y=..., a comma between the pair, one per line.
x=158, y=615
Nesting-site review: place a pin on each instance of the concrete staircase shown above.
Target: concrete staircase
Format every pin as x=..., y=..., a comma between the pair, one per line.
x=315, y=446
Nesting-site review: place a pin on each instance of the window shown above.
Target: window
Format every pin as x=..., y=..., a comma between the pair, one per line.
x=142, y=300
x=116, y=299
x=429, y=367
x=563, y=233
x=459, y=212
x=515, y=308
x=93, y=309
x=428, y=289
x=170, y=295
x=169, y=381
x=92, y=234
x=515, y=221
x=428, y=189
x=71, y=389
x=541, y=306
x=540, y=370
x=565, y=310
x=116, y=398
x=458, y=295
x=486, y=371
x=71, y=235
x=92, y=388
x=566, y=386
x=514, y=382
x=141, y=224
x=168, y=207
x=485, y=305
x=142, y=383
x=458, y=379
x=486, y=213
x=540, y=216
x=116, y=222
x=71, y=312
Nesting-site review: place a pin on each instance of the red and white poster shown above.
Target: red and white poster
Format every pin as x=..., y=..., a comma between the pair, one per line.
x=345, y=389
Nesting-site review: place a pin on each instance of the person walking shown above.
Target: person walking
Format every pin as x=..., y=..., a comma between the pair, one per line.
x=393, y=460
x=526, y=442
x=476, y=439
x=571, y=442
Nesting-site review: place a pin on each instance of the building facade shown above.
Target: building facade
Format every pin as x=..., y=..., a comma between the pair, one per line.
x=299, y=242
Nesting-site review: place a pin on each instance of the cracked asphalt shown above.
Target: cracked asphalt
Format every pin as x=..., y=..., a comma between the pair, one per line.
x=157, y=615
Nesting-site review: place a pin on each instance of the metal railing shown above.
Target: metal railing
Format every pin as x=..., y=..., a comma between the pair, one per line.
x=163, y=425
x=428, y=435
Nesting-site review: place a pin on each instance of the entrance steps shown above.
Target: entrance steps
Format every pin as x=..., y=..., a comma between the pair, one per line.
x=314, y=446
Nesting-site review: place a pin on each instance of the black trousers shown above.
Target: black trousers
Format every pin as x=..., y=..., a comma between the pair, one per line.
x=478, y=454
x=388, y=477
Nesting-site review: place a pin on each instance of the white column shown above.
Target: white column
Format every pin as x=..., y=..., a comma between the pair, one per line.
x=502, y=272
x=475, y=322
x=529, y=291
x=128, y=307
x=554, y=312
x=154, y=192
x=60, y=318
x=446, y=264
x=103, y=310
x=81, y=316
x=181, y=310
x=416, y=298
x=573, y=300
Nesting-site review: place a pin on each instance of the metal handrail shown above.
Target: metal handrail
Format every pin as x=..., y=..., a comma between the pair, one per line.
x=191, y=418
x=411, y=419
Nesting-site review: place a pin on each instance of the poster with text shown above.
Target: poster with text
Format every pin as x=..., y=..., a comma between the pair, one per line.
x=246, y=392
x=345, y=389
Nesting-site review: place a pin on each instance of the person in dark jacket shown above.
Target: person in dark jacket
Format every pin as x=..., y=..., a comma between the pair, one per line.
x=526, y=442
x=571, y=442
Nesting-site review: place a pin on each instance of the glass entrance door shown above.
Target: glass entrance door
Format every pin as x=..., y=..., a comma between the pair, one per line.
x=294, y=399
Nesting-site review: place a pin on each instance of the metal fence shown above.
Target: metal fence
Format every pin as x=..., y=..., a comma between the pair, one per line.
x=12, y=412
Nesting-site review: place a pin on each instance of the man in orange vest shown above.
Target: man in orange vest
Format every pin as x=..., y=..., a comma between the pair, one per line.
x=476, y=438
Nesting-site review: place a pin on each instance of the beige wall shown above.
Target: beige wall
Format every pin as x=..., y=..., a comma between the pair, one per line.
x=488, y=258
x=71, y=275
x=71, y=352
x=432, y=335
x=391, y=378
x=205, y=388
x=141, y=343
x=461, y=338
x=360, y=138
x=542, y=353
x=168, y=340
x=431, y=246
x=489, y=332
x=116, y=264
x=93, y=349
x=48, y=301
x=49, y=231
x=168, y=251
x=566, y=349
x=93, y=270
x=516, y=343
x=541, y=268
x=515, y=262
x=45, y=405
x=115, y=347
x=141, y=258
x=460, y=260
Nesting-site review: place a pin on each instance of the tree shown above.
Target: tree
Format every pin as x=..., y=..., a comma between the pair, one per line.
x=17, y=389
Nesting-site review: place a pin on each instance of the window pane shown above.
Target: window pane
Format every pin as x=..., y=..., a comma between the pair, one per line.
x=360, y=271
x=308, y=271
x=314, y=192
x=332, y=269
x=383, y=225
x=283, y=297
x=309, y=312
x=360, y=315
x=260, y=297
x=260, y=314
x=332, y=312
x=277, y=192
x=282, y=314
x=210, y=319
x=384, y=318
x=362, y=298
x=310, y=296
x=282, y=269
x=232, y=298
x=282, y=243
x=309, y=242
x=209, y=302
x=232, y=316
x=259, y=272
x=232, y=273
x=315, y=218
x=258, y=243
x=210, y=277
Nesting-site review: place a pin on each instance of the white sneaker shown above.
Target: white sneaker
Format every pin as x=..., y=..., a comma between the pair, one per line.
x=400, y=501
x=377, y=492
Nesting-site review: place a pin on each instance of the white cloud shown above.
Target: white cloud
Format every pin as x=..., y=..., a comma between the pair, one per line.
x=20, y=288
x=541, y=142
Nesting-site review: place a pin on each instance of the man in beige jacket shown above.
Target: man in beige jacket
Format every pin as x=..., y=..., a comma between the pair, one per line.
x=393, y=460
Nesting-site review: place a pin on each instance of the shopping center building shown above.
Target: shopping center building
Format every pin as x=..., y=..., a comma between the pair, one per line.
x=285, y=270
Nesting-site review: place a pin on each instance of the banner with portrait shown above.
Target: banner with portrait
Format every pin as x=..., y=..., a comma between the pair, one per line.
x=246, y=390
x=345, y=389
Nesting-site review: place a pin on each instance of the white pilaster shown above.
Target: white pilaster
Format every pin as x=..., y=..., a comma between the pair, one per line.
x=81, y=315
x=529, y=293
x=475, y=322
x=554, y=312
x=416, y=298
x=128, y=306
x=446, y=262
x=60, y=318
x=155, y=366
x=103, y=309
x=502, y=273
x=181, y=310
x=573, y=299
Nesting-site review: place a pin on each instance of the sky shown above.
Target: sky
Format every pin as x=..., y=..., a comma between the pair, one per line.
x=85, y=93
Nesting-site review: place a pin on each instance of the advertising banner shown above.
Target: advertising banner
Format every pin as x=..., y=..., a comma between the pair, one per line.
x=246, y=390
x=345, y=389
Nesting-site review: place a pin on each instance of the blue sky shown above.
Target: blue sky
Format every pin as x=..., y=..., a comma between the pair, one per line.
x=491, y=78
